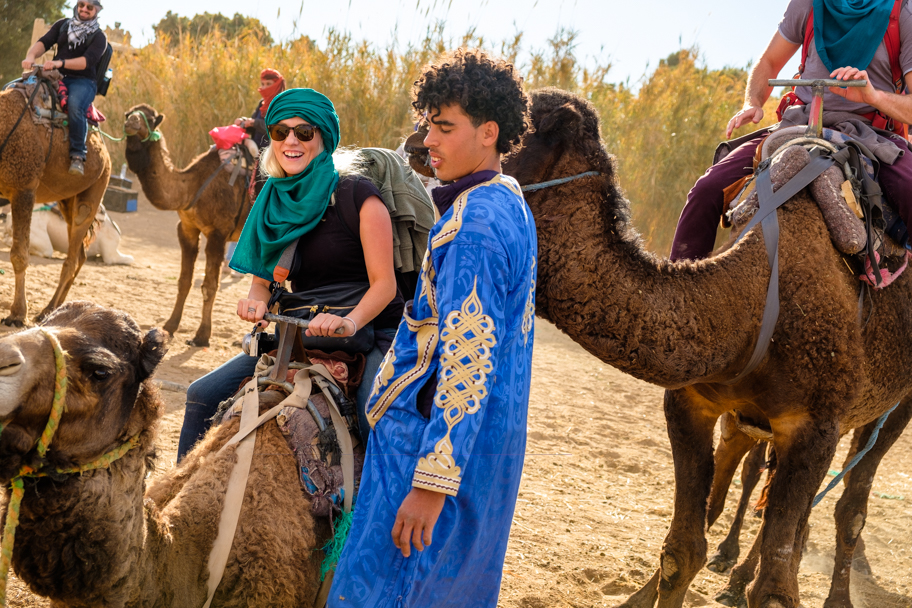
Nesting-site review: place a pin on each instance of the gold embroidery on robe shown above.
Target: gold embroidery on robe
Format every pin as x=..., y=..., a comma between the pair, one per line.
x=529, y=314
x=468, y=336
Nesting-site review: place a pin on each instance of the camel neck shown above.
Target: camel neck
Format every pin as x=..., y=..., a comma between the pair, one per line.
x=168, y=188
x=671, y=324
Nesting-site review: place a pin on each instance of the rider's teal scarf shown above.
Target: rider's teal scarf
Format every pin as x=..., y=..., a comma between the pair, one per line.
x=291, y=206
x=848, y=32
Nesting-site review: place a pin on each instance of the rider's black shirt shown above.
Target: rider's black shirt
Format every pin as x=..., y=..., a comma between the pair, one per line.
x=92, y=49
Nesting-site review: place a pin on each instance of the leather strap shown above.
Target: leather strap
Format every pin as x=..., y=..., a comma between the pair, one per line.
x=234, y=495
x=766, y=216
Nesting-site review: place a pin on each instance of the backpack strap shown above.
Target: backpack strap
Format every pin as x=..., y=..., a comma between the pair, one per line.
x=806, y=45
x=892, y=42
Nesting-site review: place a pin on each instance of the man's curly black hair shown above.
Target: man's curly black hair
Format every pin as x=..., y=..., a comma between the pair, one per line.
x=485, y=88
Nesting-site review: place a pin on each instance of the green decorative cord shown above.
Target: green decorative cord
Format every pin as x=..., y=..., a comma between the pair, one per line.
x=60, y=388
x=334, y=546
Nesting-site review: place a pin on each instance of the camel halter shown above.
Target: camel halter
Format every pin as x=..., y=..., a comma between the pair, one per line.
x=17, y=487
x=558, y=182
x=154, y=134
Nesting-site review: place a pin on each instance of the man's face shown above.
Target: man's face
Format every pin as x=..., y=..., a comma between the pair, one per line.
x=457, y=147
x=265, y=83
x=86, y=11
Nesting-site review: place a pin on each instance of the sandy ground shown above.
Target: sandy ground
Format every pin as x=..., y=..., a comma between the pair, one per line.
x=597, y=491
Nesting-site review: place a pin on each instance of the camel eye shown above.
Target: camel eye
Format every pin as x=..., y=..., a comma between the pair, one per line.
x=101, y=374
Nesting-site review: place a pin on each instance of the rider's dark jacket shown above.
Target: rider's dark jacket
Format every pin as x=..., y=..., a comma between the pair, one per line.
x=92, y=49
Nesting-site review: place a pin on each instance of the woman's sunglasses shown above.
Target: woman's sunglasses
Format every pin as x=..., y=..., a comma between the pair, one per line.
x=279, y=132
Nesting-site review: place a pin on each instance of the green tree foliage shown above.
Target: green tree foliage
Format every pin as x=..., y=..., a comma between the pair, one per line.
x=16, y=20
x=173, y=27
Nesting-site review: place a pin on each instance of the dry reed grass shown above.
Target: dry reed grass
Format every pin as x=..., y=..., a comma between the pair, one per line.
x=664, y=133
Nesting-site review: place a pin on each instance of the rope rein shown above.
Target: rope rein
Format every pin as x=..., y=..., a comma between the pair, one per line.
x=17, y=485
x=558, y=182
x=154, y=134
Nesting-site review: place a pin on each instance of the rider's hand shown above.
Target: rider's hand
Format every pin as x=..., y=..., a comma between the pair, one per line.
x=326, y=325
x=49, y=65
x=416, y=519
x=856, y=94
x=241, y=122
x=253, y=311
x=747, y=114
x=27, y=64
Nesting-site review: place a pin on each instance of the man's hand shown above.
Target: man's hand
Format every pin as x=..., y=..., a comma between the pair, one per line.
x=416, y=519
x=49, y=65
x=27, y=63
x=747, y=114
x=866, y=95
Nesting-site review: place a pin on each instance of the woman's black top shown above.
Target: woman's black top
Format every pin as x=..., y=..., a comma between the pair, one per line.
x=332, y=253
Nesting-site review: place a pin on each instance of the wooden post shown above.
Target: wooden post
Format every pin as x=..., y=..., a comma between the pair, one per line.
x=39, y=29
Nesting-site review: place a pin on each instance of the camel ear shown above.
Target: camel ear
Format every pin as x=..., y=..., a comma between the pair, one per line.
x=152, y=351
x=562, y=123
x=157, y=121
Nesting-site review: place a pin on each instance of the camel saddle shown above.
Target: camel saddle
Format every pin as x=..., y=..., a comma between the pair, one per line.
x=860, y=225
x=310, y=432
x=40, y=93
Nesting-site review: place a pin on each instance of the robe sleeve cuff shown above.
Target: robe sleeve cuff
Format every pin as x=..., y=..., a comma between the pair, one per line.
x=427, y=479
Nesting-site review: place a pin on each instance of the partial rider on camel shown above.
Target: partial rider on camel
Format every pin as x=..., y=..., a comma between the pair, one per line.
x=844, y=40
x=80, y=45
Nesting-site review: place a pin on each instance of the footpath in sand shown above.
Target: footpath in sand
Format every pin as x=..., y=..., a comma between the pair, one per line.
x=597, y=491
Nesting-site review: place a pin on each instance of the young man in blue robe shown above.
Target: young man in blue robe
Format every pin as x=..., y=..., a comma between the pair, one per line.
x=449, y=404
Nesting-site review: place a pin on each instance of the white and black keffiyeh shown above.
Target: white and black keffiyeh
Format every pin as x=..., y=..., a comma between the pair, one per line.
x=78, y=31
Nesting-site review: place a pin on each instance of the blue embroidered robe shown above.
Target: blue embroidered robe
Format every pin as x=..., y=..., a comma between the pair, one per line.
x=471, y=327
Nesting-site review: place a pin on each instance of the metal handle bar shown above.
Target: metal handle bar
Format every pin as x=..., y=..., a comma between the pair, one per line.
x=819, y=82
x=302, y=323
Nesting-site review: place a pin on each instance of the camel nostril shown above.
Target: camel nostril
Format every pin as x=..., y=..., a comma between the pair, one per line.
x=9, y=370
x=11, y=364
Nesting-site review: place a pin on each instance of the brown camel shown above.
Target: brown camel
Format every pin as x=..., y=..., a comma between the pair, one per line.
x=691, y=328
x=219, y=213
x=98, y=539
x=31, y=173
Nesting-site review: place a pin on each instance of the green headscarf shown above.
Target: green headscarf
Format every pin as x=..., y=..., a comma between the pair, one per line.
x=290, y=207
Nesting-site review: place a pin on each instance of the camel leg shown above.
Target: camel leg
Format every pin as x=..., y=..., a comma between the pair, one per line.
x=215, y=251
x=21, y=206
x=79, y=214
x=727, y=554
x=852, y=508
x=804, y=450
x=188, y=237
x=690, y=423
x=741, y=575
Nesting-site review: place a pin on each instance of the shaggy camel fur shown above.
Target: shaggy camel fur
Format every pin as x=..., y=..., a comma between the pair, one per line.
x=29, y=175
x=691, y=328
x=98, y=539
x=219, y=214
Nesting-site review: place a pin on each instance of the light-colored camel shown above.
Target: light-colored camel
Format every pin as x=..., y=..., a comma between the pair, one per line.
x=219, y=214
x=29, y=175
x=691, y=328
x=101, y=539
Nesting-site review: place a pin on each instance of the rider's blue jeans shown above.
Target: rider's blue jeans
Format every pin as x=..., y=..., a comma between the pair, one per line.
x=80, y=95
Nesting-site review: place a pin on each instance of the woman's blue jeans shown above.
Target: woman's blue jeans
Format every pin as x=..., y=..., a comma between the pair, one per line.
x=205, y=395
x=80, y=95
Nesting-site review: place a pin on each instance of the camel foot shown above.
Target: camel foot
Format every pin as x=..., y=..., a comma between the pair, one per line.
x=645, y=597
x=44, y=314
x=13, y=322
x=171, y=327
x=732, y=597
x=720, y=563
x=198, y=342
x=840, y=600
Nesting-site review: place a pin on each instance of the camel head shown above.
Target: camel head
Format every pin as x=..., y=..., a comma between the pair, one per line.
x=139, y=123
x=564, y=141
x=108, y=398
